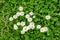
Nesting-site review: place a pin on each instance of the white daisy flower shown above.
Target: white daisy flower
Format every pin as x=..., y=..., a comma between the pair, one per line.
x=22, y=23
x=29, y=19
x=22, y=32
x=31, y=25
x=27, y=16
x=44, y=29
x=11, y=19
x=38, y=26
x=15, y=27
x=18, y=23
x=18, y=13
x=15, y=16
x=28, y=27
x=31, y=13
x=48, y=17
x=25, y=29
x=33, y=16
x=22, y=13
x=21, y=8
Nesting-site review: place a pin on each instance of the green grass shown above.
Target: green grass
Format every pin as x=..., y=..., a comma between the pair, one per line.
x=40, y=8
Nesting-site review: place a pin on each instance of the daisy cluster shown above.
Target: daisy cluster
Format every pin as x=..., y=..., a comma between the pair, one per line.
x=21, y=13
x=29, y=17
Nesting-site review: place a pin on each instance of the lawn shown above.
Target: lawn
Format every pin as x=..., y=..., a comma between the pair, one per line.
x=41, y=8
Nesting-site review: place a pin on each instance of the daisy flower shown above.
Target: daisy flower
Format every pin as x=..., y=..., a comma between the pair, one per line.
x=15, y=27
x=33, y=16
x=21, y=8
x=22, y=32
x=14, y=16
x=31, y=13
x=22, y=13
x=32, y=25
x=29, y=19
x=27, y=16
x=38, y=26
x=18, y=23
x=11, y=19
x=28, y=27
x=48, y=17
x=18, y=13
x=25, y=29
x=44, y=29
x=22, y=23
